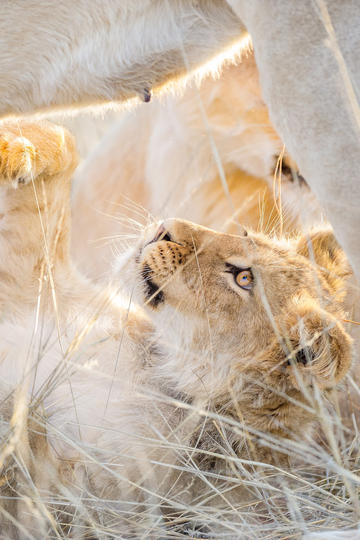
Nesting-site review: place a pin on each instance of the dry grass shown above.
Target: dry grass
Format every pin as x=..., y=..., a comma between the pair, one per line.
x=319, y=492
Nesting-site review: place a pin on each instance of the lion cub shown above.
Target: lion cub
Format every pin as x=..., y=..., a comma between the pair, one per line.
x=116, y=414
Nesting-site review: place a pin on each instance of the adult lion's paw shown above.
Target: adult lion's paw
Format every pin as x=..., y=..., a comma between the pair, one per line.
x=31, y=149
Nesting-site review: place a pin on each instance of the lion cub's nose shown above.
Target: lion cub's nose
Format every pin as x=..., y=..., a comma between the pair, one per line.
x=161, y=234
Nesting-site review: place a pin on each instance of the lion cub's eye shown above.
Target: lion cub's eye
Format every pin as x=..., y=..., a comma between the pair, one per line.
x=243, y=276
x=244, y=279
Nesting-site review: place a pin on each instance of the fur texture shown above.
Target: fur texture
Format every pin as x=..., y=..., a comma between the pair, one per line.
x=308, y=68
x=172, y=158
x=83, y=54
x=114, y=398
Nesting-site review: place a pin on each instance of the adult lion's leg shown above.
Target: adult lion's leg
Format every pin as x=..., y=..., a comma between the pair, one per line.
x=309, y=77
x=36, y=162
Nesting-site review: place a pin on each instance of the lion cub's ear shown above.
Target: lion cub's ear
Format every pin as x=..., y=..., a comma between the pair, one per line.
x=322, y=248
x=315, y=344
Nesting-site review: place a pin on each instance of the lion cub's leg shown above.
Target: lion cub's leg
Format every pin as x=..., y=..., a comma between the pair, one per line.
x=36, y=163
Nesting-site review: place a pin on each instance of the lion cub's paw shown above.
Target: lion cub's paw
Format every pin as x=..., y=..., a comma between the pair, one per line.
x=315, y=347
x=31, y=149
x=17, y=160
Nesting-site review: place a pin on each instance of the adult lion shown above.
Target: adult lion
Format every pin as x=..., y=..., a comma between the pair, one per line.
x=60, y=54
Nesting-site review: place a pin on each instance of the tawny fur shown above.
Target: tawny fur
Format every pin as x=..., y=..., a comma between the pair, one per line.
x=112, y=396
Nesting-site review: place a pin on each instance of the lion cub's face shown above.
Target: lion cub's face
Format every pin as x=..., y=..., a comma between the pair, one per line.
x=245, y=301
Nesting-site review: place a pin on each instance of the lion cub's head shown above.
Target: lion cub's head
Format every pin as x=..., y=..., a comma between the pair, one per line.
x=246, y=320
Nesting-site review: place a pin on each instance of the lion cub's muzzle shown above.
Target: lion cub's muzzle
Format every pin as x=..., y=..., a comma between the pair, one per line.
x=161, y=257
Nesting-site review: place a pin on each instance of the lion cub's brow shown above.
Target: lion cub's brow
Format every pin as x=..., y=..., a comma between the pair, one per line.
x=238, y=262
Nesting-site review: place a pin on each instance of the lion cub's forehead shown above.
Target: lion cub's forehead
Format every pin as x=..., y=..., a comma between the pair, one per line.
x=245, y=251
x=252, y=250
